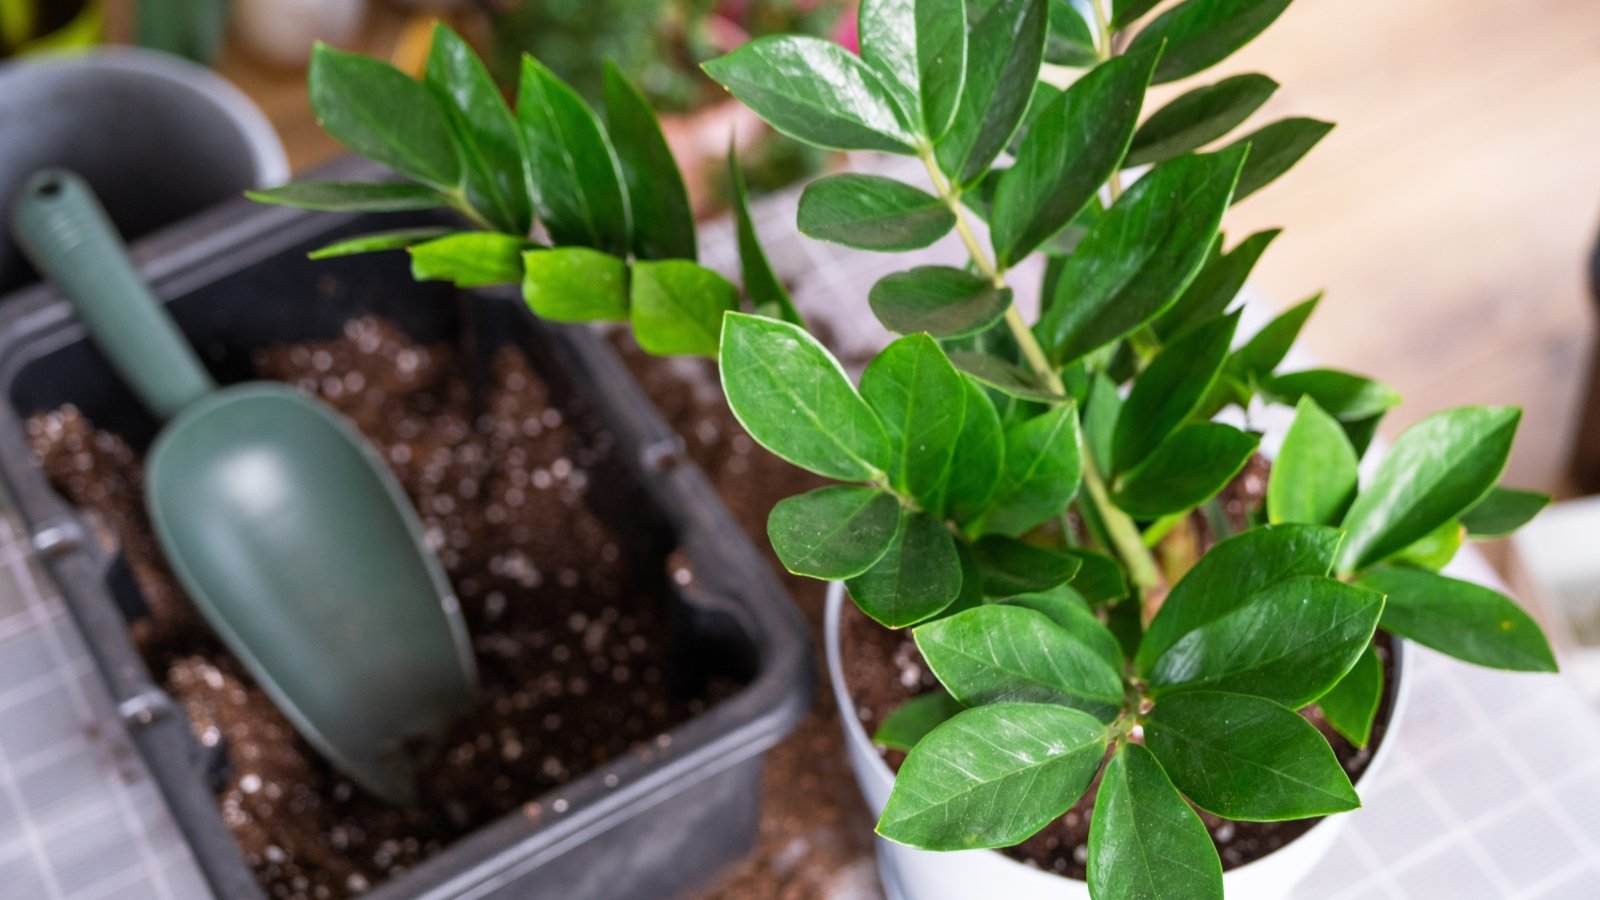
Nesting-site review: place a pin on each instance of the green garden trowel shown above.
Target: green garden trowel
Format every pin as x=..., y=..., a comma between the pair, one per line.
x=278, y=518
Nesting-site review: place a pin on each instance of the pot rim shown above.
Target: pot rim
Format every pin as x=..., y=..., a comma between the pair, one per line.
x=856, y=734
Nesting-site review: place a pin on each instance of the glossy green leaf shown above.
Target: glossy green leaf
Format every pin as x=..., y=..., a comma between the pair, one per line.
x=1005, y=47
x=814, y=91
x=1465, y=620
x=1275, y=149
x=1201, y=33
x=1346, y=397
x=912, y=720
x=1314, y=476
x=1290, y=643
x=1071, y=40
x=1234, y=571
x=1004, y=377
x=795, y=400
x=494, y=175
x=1069, y=610
x=761, y=283
x=352, y=196
x=1011, y=567
x=971, y=594
x=993, y=776
x=1070, y=150
x=1438, y=469
x=1267, y=348
x=1247, y=758
x=658, y=202
x=919, y=398
x=1101, y=413
x=920, y=49
x=918, y=577
x=1170, y=390
x=576, y=178
x=940, y=300
x=1434, y=550
x=1100, y=578
x=1043, y=464
x=1198, y=118
x=398, y=239
x=975, y=467
x=871, y=212
x=575, y=284
x=1503, y=511
x=1186, y=470
x=355, y=99
x=676, y=307
x=469, y=259
x=1126, y=12
x=1139, y=255
x=1352, y=706
x=1217, y=285
x=1145, y=842
x=834, y=532
x=999, y=653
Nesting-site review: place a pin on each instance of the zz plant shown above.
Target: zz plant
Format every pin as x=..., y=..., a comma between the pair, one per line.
x=1024, y=496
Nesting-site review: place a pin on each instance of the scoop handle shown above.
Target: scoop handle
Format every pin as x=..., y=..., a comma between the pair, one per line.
x=65, y=232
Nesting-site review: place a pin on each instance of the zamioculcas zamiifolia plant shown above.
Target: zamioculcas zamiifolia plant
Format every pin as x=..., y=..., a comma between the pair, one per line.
x=1019, y=494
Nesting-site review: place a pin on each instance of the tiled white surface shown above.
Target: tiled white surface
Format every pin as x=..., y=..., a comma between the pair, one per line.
x=1493, y=790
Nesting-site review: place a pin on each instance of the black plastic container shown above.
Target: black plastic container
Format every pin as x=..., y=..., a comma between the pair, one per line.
x=649, y=825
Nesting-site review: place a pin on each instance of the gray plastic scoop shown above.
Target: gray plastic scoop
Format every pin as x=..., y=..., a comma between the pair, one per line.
x=278, y=518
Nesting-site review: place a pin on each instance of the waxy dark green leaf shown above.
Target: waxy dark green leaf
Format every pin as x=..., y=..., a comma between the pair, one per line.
x=765, y=290
x=398, y=239
x=871, y=212
x=1290, y=643
x=1275, y=149
x=1267, y=348
x=1247, y=758
x=1198, y=118
x=577, y=180
x=815, y=91
x=1169, y=391
x=1347, y=397
x=795, y=400
x=1352, y=706
x=1234, y=571
x=470, y=259
x=1186, y=470
x=575, y=284
x=352, y=196
x=1004, y=377
x=658, y=202
x=676, y=307
x=999, y=653
x=920, y=49
x=1218, y=283
x=1145, y=842
x=355, y=99
x=1502, y=511
x=1069, y=610
x=975, y=466
x=834, y=532
x=1139, y=255
x=993, y=776
x=1314, y=476
x=943, y=301
x=1438, y=469
x=1101, y=413
x=1126, y=12
x=1005, y=47
x=1071, y=148
x=918, y=577
x=1465, y=620
x=1201, y=33
x=1100, y=580
x=912, y=720
x=494, y=175
x=1043, y=464
x=1071, y=41
x=1011, y=567
x=919, y=398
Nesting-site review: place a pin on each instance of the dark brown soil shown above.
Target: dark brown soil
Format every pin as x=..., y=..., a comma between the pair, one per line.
x=563, y=597
x=884, y=669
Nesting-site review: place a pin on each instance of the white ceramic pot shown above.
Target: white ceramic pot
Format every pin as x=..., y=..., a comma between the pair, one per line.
x=910, y=874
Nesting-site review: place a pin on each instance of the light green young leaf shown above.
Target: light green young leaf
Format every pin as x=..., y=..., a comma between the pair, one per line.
x=355, y=98
x=575, y=284
x=1465, y=620
x=834, y=532
x=576, y=178
x=1170, y=390
x=815, y=91
x=1010, y=567
x=470, y=259
x=1198, y=118
x=919, y=398
x=1275, y=149
x=658, y=202
x=1005, y=48
x=1352, y=706
x=1434, y=550
x=993, y=776
x=912, y=720
x=348, y=196
x=917, y=578
x=919, y=47
x=1043, y=465
x=1247, y=758
x=1438, y=469
x=495, y=178
x=1186, y=470
x=676, y=307
x=1503, y=511
x=398, y=239
x=1314, y=477
x=765, y=290
x=871, y=212
x=943, y=301
x=1201, y=33
x=1145, y=842
x=795, y=400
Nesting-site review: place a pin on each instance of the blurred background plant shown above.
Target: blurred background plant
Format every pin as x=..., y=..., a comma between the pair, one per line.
x=40, y=25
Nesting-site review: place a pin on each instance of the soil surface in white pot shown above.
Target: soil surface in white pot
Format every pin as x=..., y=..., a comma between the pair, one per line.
x=883, y=669
x=562, y=586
